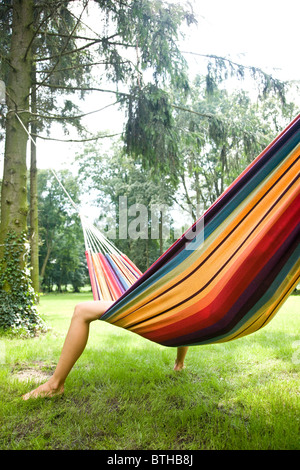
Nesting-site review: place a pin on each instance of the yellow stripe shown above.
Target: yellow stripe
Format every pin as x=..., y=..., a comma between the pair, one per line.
x=202, y=276
x=219, y=234
x=101, y=278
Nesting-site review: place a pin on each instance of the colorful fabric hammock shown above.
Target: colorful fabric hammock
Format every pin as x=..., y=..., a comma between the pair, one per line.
x=111, y=272
x=238, y=273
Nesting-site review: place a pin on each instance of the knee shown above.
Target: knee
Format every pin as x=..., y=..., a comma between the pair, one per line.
x=79, y=312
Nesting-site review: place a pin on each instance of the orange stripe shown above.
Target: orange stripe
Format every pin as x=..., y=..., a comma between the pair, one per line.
x=216, y=259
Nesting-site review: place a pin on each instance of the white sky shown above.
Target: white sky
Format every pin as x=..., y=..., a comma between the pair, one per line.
x=262, y=33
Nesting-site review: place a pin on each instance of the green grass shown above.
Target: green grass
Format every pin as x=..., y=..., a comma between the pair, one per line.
x=124, y=394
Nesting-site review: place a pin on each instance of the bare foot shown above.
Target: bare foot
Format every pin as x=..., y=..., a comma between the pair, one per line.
x=179, y=366
x=47, y=389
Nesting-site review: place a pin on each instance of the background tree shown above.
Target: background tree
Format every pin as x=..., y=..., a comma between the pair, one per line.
x=62, y=259
x=220, y=136
x=148, y=29
x=16, y=295
x=53, y=34
x=147, y=232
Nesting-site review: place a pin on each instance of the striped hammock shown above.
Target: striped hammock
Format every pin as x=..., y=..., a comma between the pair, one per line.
x=230, y=281
x=111, y=272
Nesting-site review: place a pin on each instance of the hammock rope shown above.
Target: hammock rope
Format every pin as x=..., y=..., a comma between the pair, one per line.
x=228, y=282
x=111, y=272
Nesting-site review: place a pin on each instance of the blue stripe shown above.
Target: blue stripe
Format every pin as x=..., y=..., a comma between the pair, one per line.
x=262, y=173
x=120, y=275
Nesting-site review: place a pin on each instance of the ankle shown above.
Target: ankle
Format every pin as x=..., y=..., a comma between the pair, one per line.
x=179, y=365
x=55, y=383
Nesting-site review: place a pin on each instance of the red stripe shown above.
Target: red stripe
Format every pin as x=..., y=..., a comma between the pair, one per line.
x=229, y=293
x=111, y=282
x=92, y=274
x=133, y=266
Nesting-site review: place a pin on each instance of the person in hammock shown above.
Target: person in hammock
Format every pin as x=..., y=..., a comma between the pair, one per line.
x=75, y=342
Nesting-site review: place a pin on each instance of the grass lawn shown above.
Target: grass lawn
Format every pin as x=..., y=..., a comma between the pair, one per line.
x=123, y=393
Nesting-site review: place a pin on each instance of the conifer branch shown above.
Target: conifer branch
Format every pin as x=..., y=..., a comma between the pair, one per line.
x=77, y=88
x=63, y=49
x=89, y=139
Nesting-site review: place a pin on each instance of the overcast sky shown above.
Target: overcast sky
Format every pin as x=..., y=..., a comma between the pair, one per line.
x=263, y=33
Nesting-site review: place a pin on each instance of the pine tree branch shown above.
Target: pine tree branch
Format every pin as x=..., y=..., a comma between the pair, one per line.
x=62, y=35
x=91, y=64
x=89, y=28
x=46, y=4
x=108, y=39
x=85, y=38
x=181, y=108
x=61, y=87
x=71, y=118
x=6, y=59
x=77, y=140
x=73, y=51
x=45, y=20
x=63, y=49
x=253, y=69
x=74, y=88
x=86, y=46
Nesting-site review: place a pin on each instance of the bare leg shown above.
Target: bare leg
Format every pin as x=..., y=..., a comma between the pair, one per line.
x=181, y=353
x=74, y=345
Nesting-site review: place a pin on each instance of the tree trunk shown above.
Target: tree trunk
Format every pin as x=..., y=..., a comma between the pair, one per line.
x=34, y=225
x=14, y=206
x=43, y=269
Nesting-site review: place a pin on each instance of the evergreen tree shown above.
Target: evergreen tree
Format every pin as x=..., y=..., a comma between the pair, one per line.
x=45, y=56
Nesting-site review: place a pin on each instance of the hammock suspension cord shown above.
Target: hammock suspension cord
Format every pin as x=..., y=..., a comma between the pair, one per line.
x=111, y=272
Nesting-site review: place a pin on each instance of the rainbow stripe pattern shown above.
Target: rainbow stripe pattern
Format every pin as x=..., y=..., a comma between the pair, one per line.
x=111, y=271
x=231, y=280
x=111, y=274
